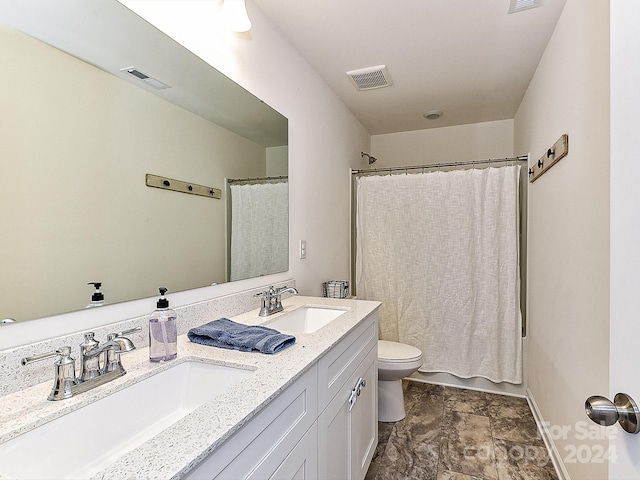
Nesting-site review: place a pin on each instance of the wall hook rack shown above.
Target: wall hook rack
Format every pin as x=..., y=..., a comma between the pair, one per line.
x=558, y=150
x=166, y=183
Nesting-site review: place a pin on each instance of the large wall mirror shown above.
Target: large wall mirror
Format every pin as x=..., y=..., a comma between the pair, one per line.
x=79, y=135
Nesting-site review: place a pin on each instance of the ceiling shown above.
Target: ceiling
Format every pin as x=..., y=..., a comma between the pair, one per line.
x=468, y=58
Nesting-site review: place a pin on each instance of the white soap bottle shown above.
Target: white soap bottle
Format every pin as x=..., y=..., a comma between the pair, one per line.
x=163, y=335
x=97, y=299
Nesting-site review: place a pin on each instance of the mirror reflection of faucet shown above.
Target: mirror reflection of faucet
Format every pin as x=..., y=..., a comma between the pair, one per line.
x=100, y=364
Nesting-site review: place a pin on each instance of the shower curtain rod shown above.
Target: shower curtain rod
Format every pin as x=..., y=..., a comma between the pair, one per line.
x=256, y=179
x=523, y=158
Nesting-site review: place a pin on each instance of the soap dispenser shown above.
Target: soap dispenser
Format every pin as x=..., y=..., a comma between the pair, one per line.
x=163, y=335
x=97, y=299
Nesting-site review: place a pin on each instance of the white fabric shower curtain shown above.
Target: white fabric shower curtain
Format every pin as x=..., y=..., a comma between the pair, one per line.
x=259, y=229
x=440, y=250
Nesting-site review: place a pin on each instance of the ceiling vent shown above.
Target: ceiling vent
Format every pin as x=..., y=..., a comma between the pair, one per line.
x=154, y=82
x=520, y=5
x=370, y=78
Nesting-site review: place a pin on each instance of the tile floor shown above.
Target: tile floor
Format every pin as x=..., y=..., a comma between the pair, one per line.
x=457, y=434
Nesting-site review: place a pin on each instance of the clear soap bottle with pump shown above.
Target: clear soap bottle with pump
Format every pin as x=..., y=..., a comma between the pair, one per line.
x=97, y=299
x=163, y=335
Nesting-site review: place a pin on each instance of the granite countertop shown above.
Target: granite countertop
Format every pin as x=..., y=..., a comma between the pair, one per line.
x=176, y=450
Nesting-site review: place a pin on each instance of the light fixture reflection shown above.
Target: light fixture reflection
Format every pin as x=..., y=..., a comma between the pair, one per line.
x=234, y=16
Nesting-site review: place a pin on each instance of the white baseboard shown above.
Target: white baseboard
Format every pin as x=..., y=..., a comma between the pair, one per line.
x=556, y=459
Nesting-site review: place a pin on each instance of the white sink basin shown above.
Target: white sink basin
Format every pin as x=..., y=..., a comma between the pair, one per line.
x=305, y=319
x=84, y=441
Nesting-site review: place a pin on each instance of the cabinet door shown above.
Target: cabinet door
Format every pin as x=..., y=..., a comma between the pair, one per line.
x=364, y=419
x=333, y=437
x=347, y=435
x=302, y=462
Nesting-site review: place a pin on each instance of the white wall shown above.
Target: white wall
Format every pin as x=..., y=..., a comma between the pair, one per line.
x=625, y=227
x=325, y=140
x=478, y=141
x=568, y=261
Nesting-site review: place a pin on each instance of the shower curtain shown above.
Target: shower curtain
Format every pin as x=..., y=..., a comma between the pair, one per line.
x=259, y=229
x=440, y=250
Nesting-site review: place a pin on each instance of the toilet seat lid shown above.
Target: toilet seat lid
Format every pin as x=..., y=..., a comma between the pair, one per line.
x=397, y=352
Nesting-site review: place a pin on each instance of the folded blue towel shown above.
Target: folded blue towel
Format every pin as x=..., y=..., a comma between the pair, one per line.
x=225, y=333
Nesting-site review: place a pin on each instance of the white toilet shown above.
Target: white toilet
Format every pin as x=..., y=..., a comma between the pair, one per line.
x=395, y=361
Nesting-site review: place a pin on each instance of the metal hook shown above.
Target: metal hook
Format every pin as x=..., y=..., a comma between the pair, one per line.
x=551, y=152
x=540, y=164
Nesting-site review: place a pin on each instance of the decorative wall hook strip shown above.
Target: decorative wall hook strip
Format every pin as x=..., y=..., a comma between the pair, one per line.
x=183, y=187
x=557, y=151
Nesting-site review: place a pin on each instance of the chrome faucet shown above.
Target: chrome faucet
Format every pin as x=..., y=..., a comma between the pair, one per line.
x=271, y=301
x=94, y=371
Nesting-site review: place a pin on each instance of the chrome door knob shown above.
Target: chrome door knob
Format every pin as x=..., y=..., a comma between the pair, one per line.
x=623, y=410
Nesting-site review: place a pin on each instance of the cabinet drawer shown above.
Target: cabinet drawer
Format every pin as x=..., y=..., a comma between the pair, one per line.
x=259, y=447
x=341, y=361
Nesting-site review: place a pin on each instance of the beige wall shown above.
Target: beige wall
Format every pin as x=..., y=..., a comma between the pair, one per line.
x=479, y=141
x=568, y=259
x=277, y=161
x=76, y=146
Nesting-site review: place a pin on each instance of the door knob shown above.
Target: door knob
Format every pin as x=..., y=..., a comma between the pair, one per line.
x=623, y=410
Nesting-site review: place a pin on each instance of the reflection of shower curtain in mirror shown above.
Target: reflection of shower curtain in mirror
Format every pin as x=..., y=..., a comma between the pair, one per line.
x=259, y=229
x=440, y=251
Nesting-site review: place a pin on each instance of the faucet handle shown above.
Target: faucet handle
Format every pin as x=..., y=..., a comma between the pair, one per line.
x=64, y=352
x=111, y=336
x=267, y=293
x=265, y=303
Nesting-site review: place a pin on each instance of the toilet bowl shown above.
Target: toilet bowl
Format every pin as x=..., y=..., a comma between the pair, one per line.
x=395, y=361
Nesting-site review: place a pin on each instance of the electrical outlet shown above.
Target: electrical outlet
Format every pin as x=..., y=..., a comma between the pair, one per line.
x=303, y=249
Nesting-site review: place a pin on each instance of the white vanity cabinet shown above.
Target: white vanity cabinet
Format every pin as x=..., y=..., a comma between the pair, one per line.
x=311, y=430
x=268, y=444
x=348, y=425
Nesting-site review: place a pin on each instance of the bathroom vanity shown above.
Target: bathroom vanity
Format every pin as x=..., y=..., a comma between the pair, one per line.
x=309, y=411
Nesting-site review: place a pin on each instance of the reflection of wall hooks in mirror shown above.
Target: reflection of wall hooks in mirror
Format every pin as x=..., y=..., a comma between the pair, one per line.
x=558, y=150
x=180, y=186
